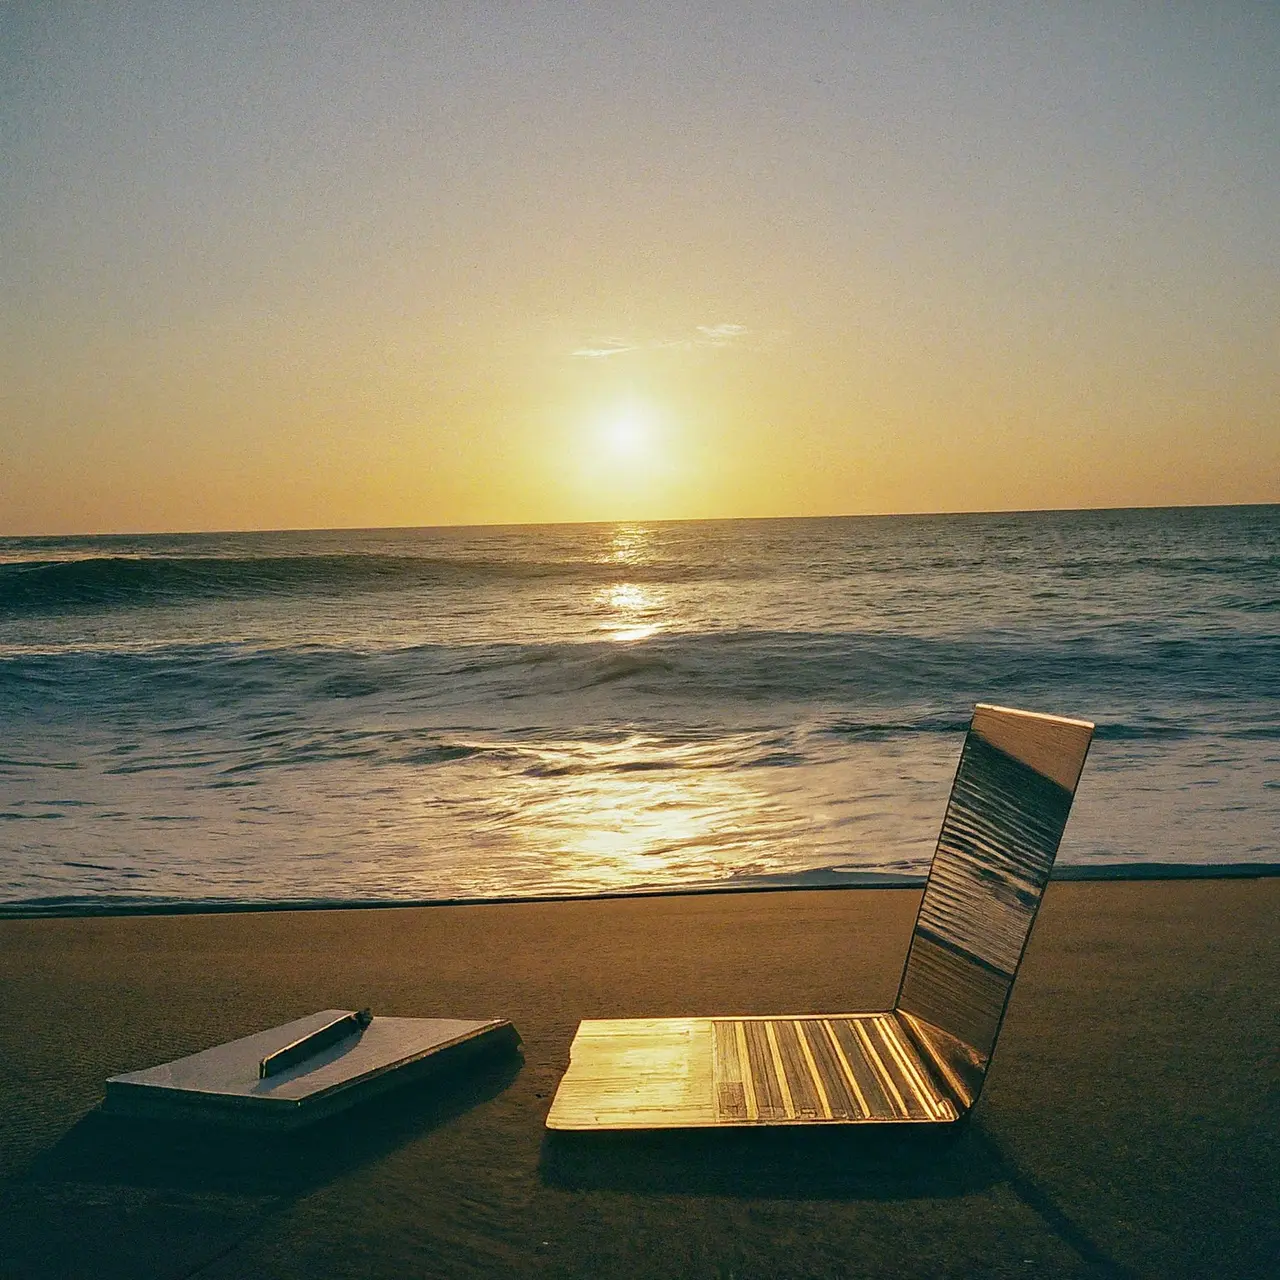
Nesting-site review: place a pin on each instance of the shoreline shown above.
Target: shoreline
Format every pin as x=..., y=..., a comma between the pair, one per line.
x=92, y=906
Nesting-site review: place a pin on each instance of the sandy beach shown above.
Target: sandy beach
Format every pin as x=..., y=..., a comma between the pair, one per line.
x=1128, y=1127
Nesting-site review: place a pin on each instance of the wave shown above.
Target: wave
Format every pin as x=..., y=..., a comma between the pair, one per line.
x=1152, y=687
x=892, y=726
x=57, y=586
x=36, y=587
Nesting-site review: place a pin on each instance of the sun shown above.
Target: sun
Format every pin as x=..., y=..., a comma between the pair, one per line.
x=626, y=459
x=629, y=432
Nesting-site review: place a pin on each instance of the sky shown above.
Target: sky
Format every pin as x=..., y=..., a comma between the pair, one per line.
x=322, y=265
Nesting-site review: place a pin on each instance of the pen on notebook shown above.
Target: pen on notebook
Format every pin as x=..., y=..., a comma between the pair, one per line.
x=339, y=1029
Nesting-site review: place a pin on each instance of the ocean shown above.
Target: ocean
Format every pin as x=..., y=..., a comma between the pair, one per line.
x=427, y=714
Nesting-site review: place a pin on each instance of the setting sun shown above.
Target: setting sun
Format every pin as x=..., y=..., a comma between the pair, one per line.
x=630, y=432
x=624, y=459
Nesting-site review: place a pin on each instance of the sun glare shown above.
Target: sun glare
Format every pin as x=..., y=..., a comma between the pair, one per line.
x=626, y=460
x=629, y=432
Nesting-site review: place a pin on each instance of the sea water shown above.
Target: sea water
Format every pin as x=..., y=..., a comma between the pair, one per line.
x=452, y=713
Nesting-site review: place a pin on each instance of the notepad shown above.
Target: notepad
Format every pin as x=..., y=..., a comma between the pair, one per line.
x=226, y=1084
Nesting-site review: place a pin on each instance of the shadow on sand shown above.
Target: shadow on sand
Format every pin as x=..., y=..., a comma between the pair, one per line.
x=809, y=1164
x=791, y=1163
x=122, y=1197
x=186, y=1157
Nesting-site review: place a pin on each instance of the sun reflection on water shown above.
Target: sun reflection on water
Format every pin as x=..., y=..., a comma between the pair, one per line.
x=631, y=544
x=618, y=815
x=630, y=611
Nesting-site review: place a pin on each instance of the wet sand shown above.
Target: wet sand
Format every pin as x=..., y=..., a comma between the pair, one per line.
x=1129, y=1124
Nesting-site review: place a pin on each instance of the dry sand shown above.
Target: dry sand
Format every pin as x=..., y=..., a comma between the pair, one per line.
x=1128, y=1127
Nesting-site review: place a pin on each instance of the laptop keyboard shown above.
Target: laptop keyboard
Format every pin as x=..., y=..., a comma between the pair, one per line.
x=806, y=1069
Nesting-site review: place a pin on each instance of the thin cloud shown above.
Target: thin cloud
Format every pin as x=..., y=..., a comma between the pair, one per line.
x=602, y=348
x=703, y=335
x=719, y=335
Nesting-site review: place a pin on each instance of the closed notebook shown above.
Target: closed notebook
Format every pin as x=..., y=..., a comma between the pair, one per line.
x=306, y=1069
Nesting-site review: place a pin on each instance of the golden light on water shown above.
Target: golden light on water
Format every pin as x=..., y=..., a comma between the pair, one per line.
x=635, y=827
x=622, y=814
x=631, y=544
x=633, y=612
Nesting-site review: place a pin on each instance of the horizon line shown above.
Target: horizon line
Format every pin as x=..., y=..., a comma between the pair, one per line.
x=558, y=524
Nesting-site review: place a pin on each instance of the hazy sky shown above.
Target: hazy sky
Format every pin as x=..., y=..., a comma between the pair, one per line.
x=307, y=265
